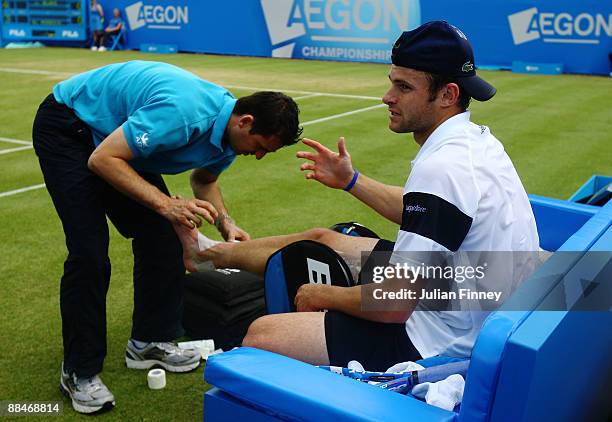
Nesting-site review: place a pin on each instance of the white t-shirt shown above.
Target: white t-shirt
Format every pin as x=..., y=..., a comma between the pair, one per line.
x=463, y=194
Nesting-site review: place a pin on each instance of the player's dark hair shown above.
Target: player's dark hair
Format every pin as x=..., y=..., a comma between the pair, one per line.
x=274, y=114
x=437, y=82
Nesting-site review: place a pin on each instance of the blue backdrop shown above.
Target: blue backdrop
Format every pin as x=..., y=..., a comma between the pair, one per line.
x=577, y=34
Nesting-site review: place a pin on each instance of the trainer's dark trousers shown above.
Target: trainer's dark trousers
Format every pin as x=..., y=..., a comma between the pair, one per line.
x=63, y=144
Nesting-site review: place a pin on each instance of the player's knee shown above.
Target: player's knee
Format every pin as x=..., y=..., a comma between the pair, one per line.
x=257, y=334
x=318, y=234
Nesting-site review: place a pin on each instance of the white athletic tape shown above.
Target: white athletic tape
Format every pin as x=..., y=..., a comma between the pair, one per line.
x=205, y=347
x=156, y=378
x=216, y=352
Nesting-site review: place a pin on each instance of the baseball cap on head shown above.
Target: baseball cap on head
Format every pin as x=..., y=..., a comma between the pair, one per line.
x=440, y=48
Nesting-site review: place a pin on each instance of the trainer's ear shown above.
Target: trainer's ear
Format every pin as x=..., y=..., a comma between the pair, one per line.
x=449, y=95
x=245, y=120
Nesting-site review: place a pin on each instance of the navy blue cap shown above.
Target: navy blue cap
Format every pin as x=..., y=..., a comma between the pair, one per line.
x=440, y=48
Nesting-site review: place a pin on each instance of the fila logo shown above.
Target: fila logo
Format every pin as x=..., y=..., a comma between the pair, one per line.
x=155, y=16
x=16, y=33
x=415, y=208
x=142, y=141
x=585, y=28
x=70, y=34
x=318, y=272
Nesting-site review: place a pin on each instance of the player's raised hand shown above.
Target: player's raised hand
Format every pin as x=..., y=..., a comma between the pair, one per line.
x=334, y=170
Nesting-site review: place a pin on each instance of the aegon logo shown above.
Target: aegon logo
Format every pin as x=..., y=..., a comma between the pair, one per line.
x=289, y=19
x=70, y=34
x=16, y=33
x=584, y=28
x=141, y=15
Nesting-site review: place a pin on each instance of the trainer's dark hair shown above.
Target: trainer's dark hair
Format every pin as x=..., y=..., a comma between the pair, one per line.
x=274, y=113
x=437, y=82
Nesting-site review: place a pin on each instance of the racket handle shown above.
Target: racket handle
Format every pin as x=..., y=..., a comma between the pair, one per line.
x=441, y=372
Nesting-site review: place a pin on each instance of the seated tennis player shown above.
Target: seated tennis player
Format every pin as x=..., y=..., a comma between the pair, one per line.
x=462, y=194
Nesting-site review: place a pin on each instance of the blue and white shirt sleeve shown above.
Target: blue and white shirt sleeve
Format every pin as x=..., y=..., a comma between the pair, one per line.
x=439, y=205
x=158, y=126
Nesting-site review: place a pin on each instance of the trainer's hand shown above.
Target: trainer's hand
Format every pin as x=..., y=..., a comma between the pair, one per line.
x=231, y=232
x=310, y=297
x=188, y=212
x=332, y=169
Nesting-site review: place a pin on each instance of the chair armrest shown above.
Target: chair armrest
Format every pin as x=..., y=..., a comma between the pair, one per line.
x=294, y=390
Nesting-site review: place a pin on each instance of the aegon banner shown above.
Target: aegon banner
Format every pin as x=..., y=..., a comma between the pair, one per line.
x=576, y=34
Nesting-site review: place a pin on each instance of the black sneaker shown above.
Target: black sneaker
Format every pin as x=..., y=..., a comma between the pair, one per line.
x=166, y=355
x=88, y=395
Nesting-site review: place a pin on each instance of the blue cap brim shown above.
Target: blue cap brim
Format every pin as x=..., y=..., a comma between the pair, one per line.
x=477, y=88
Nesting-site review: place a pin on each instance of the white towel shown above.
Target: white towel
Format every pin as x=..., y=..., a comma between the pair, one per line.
x=402, y=367
x=445, y=394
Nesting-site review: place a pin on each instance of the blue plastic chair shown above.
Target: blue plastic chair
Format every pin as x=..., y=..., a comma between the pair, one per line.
x=519, y=355
x=119, y=41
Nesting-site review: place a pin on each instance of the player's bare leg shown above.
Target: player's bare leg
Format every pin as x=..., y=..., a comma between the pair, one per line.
x=300, y=335
x=252, y=255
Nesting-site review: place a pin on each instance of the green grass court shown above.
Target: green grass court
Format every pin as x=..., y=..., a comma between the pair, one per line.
x=555, y=129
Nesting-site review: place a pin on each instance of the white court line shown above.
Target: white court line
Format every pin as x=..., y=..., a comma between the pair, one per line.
x=9, y=150
x=16, y=191
x=303, y=97
x=15, y=141
x=326, y=94
x=348, y=113
x=36, y=72
x=250, y=88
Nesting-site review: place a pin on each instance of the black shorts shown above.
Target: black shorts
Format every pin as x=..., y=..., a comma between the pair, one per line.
x=383, y=249
x=376, y=345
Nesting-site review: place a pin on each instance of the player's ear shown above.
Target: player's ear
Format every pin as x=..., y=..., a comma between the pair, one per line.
x=449, y=95
x=245, y=120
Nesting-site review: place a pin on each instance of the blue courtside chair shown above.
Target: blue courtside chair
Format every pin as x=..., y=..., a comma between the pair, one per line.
x=531, y=364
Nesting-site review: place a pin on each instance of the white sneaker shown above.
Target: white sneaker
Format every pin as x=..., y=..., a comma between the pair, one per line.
x=102, y=48
x=88, y=395
x=167, y=355
x=94, y=48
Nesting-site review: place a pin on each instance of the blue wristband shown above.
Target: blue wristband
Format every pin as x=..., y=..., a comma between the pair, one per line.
x=353, y=181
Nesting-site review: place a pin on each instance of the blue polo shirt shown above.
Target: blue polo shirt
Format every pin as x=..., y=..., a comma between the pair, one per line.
x=114, y=22
x=173, y=121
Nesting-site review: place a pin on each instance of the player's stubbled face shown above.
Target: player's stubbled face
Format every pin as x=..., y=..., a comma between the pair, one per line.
x=408, y=99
